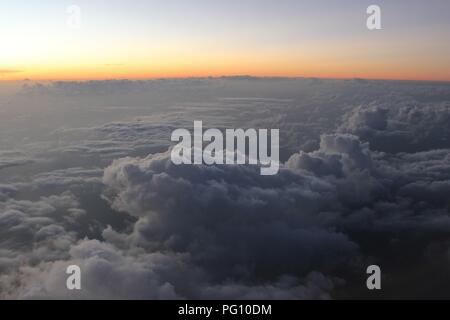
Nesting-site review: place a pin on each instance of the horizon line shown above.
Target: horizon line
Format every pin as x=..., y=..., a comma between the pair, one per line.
x=235, y=77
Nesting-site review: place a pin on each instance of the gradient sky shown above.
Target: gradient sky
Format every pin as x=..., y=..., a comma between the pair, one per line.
x=169, y=38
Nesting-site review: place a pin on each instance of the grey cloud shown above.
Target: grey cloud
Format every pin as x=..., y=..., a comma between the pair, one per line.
x=13, y=159
x=374, y=192
x=228, y=218
x=408, y=127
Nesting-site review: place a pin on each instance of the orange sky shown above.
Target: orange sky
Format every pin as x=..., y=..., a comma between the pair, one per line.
x=149, y=39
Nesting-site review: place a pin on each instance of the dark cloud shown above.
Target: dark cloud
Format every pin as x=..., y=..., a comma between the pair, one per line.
x=87, y=181
x=408, y=127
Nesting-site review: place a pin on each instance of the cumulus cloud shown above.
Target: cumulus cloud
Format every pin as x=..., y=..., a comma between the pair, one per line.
x=408, y=127
x=21, y=221
x=317, y=207
x=228, y=218
x=112, y=273
x=365, y=179
x=33, y=232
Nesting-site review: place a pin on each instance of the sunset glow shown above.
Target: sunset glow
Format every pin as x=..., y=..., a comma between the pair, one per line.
x=210, y=38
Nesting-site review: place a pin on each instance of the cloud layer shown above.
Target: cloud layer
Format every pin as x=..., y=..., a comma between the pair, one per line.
x=364, y=180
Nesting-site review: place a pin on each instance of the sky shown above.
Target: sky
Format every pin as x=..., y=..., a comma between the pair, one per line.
x=179, y=38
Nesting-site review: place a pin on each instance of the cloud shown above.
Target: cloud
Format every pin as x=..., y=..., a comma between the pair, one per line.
x=21, y=221
x=409, y=127
x=329, y=206
x=365, y=180
x=229, y=216
x=13, y=159
x=34, y=232
x=111, y=273
x=7, y=191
